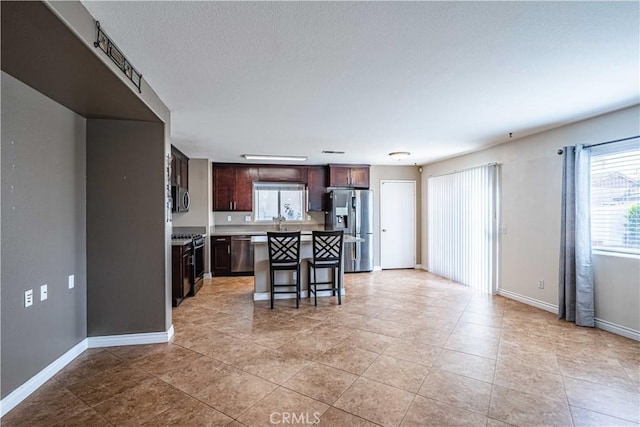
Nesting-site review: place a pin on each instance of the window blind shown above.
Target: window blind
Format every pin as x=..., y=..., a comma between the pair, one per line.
x=615, y=197
x=461, y=226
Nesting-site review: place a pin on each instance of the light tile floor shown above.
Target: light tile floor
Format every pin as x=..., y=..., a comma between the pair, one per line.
x=405, y=348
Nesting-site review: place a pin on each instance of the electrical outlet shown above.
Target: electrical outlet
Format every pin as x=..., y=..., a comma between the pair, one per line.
x=503, y=229
x=541, y=284
x=293, y=275
x=44, y=292
x=72, y=282
x=28, y=298
x=247, y=218
x=228, y=218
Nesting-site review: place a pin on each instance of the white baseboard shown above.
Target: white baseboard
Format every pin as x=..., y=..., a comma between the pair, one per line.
x=22, y=392
x=266, y=296
x=207, y=276
x=618, y=329
x=130, y=339
x=529, y=301
x=377, y=268
x=600, y=324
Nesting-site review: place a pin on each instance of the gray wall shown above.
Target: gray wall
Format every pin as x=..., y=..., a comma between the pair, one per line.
x=76, y=17
x=43, y=231
x=125, y=227
x=531, y=190
x=379, y=173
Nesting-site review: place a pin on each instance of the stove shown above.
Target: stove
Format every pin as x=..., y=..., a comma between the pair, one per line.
x=197, y=259
x=186, y=236
x=197, y=239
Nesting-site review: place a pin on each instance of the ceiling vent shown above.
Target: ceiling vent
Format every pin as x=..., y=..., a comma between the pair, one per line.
x=332, y=152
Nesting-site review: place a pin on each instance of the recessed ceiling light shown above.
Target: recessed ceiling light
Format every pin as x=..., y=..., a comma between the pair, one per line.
x=399, y=155
x=270, y=157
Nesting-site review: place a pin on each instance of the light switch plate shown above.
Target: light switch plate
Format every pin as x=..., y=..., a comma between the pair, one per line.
x=72, y=281
x=247, y=218
x=228, y=218
x=44, y=292
x=28, y=298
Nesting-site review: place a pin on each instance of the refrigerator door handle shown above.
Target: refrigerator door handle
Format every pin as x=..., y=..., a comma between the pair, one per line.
x=356, y=214
x=355, y=251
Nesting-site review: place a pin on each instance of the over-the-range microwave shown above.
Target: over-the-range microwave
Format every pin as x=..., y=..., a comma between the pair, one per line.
x=180, y=199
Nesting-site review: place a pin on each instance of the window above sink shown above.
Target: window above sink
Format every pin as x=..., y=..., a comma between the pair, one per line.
x=273, y=200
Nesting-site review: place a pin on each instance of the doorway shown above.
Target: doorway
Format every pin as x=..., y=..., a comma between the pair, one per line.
x=397, y=224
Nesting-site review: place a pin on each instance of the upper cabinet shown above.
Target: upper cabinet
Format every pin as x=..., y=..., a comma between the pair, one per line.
x=352, y=176
x=233, y=187
x=179, y=168
x=282, y=173
x=317, y=187
x=233, y=182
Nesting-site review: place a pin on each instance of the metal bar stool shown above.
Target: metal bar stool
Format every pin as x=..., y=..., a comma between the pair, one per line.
x=284, y=254
x=327, y=253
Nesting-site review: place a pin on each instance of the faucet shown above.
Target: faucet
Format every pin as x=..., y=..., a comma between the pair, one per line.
x=280, y=219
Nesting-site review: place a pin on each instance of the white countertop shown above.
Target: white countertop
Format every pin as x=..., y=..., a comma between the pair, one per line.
x=305, y=238
x=251, y=233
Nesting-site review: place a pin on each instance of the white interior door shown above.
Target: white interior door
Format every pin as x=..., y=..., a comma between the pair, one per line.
x=397, y=224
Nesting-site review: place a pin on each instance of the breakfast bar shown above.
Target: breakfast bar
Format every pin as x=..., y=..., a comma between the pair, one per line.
x=261, y=269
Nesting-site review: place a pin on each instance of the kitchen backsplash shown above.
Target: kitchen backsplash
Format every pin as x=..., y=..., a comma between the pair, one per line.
x=315, y=221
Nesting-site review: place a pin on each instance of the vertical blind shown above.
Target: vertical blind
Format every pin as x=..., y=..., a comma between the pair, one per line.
x=461, y=226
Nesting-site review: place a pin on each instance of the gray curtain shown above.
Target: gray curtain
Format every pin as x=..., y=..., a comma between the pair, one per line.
x=576, y=302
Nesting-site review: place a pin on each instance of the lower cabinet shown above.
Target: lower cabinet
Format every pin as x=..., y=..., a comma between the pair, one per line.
x=221, y=255
x=182, y=273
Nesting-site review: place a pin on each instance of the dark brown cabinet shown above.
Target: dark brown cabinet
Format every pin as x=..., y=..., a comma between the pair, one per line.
x=233, y=187
x=224, y=185
x=182, y=271
x=221, y=255
x=179, y=168
x=282, y=174
x=233, y=183
x=244, y=189
x=352, y=176
x=317, y=187
x=360, y=177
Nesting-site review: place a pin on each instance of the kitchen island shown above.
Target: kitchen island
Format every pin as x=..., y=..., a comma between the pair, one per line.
x=262, y=286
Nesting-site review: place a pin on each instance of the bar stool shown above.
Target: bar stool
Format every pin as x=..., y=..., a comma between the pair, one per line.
x=327, y=253
x=284, y=255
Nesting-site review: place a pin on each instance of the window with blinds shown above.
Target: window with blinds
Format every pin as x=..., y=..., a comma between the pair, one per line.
x=279, y=200
x=615, y=197
x=461, y=226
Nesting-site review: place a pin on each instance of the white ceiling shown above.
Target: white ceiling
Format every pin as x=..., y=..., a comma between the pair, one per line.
x=433, y=78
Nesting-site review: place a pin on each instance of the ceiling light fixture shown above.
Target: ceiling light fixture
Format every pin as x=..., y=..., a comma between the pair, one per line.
x=399, y=155
x=270, y=157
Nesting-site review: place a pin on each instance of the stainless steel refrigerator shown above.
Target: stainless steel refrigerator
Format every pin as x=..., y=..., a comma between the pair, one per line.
x=352, y=212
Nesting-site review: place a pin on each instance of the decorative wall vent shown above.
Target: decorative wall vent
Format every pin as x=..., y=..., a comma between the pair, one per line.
x=109, y=47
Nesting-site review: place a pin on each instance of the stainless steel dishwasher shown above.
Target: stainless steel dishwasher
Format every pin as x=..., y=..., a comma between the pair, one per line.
x=241, y=254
